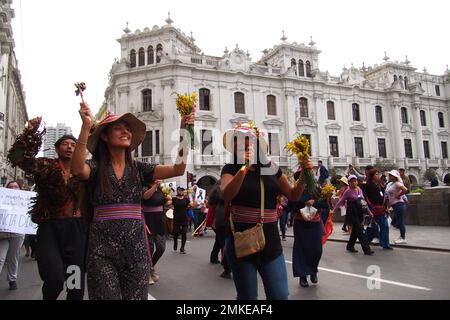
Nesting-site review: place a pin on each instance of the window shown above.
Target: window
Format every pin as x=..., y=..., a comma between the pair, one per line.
x=395, y=78
x=401, y=81
x=141, y=57
x=274, y=144
x=404, y=113
x=147, y=145
x=441, y=119
x=408, y=149
x=355, y=110
x=207, y=145
x=271, y=105
x=308, y=69
x=330, y=110
x=423, y=118
x=147, y=100
x=378, y=114
x=444, y=150
x=301, y=70
x=294, y=65
x=359, y=148
x=159, y=49
x=382, y=148
x=426, y=149
x=157, y=142
x=438, y=90
x=239, y=102
x=406, y=82
x=150, y=55
x=204, y=99
x=308, y=136
x=303, y=107
x=334, y=147
x=133, y=58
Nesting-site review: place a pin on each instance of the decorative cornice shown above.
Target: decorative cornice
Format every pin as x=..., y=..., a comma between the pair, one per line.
x=333, y=126
x=241, y=119
x=358, y=127
x=125, y=89
x=168, y=82
x=273, y=122
x=408, y=128
x=306, y=122
x=381, y=129
x=426, y=132
x=150, y=116
x=443, y=133
x=205, y=117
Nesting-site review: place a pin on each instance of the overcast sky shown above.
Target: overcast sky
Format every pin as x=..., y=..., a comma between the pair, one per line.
x=59, y=42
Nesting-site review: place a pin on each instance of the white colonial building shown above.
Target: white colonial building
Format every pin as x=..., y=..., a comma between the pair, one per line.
x=388, y=113
x=13, y=113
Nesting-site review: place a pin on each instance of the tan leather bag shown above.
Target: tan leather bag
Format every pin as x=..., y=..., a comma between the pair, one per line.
x=252, y=240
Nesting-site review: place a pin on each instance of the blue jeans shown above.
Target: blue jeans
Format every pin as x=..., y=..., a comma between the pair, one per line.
x=382, y=222
x=273, y=274
x=399, y=211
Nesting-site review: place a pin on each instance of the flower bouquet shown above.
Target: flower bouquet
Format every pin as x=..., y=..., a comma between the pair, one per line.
x=300, y=148
x=327, y=191
x=186, y=104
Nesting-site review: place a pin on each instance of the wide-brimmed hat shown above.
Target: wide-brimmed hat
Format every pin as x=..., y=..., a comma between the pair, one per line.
x=344, y=180
x=137, y=128
x=396, y=174
x=247, y=129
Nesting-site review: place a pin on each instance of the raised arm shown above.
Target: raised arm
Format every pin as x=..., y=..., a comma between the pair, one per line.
x=168, y=171
x=293, y=193
x=79, y=168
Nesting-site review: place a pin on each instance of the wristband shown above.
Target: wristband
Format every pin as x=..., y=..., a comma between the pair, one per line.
x=82, y=143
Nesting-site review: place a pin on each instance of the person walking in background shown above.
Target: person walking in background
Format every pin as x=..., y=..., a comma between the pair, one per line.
x=322, y=173
x=355, y=210
x=10, y=244
x=282, y=208
x=405, y=179
x=61, y=233
x=395, y=191
x=374, y=192
x=343, y=182
x=180, y=219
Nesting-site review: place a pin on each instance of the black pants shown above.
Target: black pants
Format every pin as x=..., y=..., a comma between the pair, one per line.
x=219, y=244
x=156, y=224
x=355, y=221
x=177, y=231
x=60, y=253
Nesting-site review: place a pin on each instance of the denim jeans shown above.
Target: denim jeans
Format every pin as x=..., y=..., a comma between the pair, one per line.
x=399, y=211
x=273, y=274
x=382, y=222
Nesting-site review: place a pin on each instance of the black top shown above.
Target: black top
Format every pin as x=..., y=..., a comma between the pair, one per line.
x=373, y=192
x=179, y=210
x=157, y=199
x=125, y=190
x=250, y=196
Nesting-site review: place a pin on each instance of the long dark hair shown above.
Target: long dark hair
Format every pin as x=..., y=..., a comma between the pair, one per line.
x=103, y=158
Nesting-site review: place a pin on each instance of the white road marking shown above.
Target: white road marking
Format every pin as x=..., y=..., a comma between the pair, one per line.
x=371, y=278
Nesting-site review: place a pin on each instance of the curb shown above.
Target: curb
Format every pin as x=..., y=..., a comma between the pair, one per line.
x=411, y=247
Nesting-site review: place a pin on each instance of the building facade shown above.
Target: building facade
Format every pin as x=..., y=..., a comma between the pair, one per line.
x=13, y=113
x=52, y=135
x=389, y=114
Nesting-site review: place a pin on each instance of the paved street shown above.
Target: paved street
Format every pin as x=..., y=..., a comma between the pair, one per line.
x=404, y=274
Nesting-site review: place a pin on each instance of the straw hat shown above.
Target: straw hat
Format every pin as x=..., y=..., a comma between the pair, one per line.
x=137, y=128
x=344, y=180
x=244, y=130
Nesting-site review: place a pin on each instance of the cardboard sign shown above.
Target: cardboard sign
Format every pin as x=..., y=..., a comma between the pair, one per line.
x=14, y=207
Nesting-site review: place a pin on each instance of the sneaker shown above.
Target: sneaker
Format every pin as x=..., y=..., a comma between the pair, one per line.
x=400, y=241
x=375, y=241
x=12, y=285
x=154, y=275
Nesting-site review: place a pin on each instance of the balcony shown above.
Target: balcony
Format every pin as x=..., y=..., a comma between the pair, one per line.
x=432, y=163
x=151, y=159
x=207, y=160
x=445, y=163
x=362, y=162
x=337, y=162
x=412, y=163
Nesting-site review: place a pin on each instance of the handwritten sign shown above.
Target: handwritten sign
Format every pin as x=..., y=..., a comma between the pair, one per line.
x=14, y=206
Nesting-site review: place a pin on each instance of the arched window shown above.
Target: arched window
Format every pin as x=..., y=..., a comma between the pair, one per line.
x=147, y=100
x=395, y=77
x=330, y=110
x=404, y=113
x=423, y=118
x=204, y=94
x=303, y=107
x=301, y=70
x=441, y=119
x=308, y=69
x=271, y=105
x=355, y=112
x=239, y=102
x=406, y=82
x=401, y=81
x=294, y=65
x=150, y=55
x=378, y=114
x=141, y=56
x=159, y=53
x=133, y=58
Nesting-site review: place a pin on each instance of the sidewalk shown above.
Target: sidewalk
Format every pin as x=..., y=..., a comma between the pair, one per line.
x=418, y=237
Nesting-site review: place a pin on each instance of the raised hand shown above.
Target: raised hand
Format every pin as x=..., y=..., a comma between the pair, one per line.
x=86, y=114
x=34, y=123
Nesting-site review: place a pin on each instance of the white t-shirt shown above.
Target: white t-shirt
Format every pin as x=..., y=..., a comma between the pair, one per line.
x=392, y=191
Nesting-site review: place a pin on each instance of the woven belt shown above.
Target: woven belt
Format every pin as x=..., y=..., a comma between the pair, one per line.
x=252, y=215
x=155, y=209
x=118, y=211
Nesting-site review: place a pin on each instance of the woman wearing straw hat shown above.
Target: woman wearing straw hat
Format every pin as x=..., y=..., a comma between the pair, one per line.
x=118, y=256
x=394, y=192
x=251, y=184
